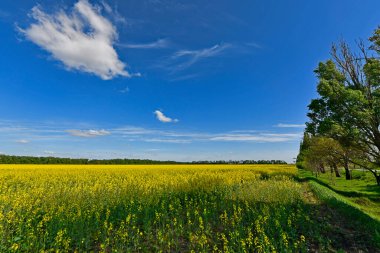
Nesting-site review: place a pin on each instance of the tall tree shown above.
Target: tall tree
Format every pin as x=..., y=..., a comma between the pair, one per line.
x=348, y=107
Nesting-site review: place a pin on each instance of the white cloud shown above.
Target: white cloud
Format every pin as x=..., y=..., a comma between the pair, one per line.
x=244, y=131
x=12, y=129
x=131, y=130
x=152, y=135
x=88, y=133
x=189, y=57
x=168, y=140
x=23, y=141
x=83, y=39
x=253, y=44
x=54, y=132
x=161, y=117
x=290, y=125
x=260, y=137
x=114, y=13
x=161, y=43
x=246, y=144
x=107, y=7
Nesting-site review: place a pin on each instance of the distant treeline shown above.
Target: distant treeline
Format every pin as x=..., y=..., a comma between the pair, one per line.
x=9, y=159
x=242, y=162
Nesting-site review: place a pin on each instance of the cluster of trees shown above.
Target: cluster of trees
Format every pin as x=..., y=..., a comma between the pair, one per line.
x=8, y=159
x=344, y=121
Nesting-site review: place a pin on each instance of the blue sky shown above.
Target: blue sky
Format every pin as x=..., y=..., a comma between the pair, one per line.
x=166, y=79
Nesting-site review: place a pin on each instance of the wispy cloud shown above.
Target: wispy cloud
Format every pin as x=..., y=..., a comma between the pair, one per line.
x=184, y=77
x=254, y=45
x=260, y=137
x=124, y=90
x=54, y=135
x=114, y=13
x=88, y=133
x=161, y=117
x=252, y=136
x=23, y=141
x=185, y=58
x=168, y=140
x=12, y=129
x=290, y=125
x=131, y=130
x=72, y=38
x=161, y=43
x=48, y=152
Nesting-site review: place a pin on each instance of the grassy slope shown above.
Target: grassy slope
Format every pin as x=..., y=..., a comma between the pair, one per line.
x=350, y=207
x=361, y=192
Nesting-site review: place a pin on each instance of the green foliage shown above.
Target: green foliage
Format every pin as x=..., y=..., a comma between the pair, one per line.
x=375, y=39
x=321, y=151
x=348, y=106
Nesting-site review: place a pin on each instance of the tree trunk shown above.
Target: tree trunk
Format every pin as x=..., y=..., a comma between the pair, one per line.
x=374, y=172
x=322, y=168
x=377, y=176
x=337, y=173
x=376, y=136
x=347, y=170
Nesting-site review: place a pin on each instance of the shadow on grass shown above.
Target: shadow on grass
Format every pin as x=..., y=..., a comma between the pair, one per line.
x=374, y=189
x=357, y=219
x=349, y=223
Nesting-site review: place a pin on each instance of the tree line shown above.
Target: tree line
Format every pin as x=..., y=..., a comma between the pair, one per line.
x=344, y=120
x=9, y=159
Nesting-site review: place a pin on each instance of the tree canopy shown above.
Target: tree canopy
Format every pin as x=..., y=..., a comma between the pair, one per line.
x=348, y=107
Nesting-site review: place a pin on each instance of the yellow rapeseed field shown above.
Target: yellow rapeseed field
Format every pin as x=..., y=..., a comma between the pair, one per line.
x=151, y=208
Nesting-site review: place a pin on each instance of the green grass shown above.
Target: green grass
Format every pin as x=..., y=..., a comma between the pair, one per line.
x=352, y=208
x=351, y=214
x=362, y=191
